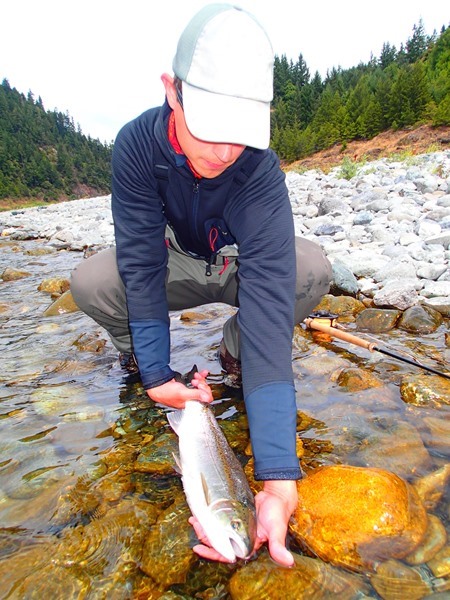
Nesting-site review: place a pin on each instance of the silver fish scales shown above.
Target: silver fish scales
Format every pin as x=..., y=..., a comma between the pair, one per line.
x=214, y=482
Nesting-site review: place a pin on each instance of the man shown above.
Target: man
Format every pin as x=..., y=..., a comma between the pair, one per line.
x=202, y=214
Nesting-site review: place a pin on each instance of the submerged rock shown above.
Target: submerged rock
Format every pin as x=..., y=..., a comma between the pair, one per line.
x=377, y=320
x=425, y=390
x=431, y=487
x=389, y=444
x=357, y=517
x=263, y=579
x=64, y=304
x=90, y=342
x=434, y=540
x=396, y=580
x=355, y=379
x=167, y=554
x=10, y=274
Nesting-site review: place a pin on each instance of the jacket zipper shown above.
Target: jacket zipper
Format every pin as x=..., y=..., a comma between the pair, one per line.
x=195, y=204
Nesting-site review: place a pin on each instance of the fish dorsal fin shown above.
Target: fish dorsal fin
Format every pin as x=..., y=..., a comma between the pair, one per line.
x=205, y=489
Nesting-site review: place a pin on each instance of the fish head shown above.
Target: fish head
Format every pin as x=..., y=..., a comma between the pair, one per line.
x=237, y=522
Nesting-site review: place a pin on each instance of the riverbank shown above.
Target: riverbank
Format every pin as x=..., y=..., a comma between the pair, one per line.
x=386, y=229
x=87, y=474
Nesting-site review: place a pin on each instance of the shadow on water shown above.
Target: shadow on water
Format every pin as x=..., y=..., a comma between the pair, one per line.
x=90, y=504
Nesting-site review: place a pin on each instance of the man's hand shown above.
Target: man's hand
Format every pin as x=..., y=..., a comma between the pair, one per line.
x=274, y=507
x=176, y=394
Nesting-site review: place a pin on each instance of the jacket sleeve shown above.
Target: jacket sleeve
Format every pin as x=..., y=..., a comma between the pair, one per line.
x=263, y=225
x=139, y=226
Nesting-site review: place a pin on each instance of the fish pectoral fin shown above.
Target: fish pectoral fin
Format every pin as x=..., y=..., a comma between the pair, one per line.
x=175, y=417
x=205, y=489
x=177, y=465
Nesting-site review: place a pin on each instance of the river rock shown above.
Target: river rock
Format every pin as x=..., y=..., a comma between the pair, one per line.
x=10, y=274
x=433, y=289
x=263, y=579
x=363, y=263
x=377, y=320
x=167, y=554
x=355, y=379
x=387, y=445
x=90, y=342
x=343, y=306
x=356, y=517
x=397, y=294
x=425, y=390
x=343, y=278
x=40, y=251
x=420, y=319
x=395, y=269
x=440, y=303
x=436, y=435
x=394, y=579
x=440, y=563
x=434, y=540
x=54, y=285
x=158, y=456
x=432, y=272
x=64, y=304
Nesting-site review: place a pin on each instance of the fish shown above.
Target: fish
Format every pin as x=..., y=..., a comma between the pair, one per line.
x=214, y=483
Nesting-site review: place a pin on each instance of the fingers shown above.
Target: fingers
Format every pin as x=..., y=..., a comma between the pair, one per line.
x=274, y=508
x=209, y=553
x=201, y=374
x=259, y=541
x=203, y=549
x=198, y=529
x=280, y=553
x=201, y=390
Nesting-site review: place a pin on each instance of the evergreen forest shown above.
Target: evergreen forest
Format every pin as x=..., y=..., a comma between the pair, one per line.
x=43, y=155
x=399, y=89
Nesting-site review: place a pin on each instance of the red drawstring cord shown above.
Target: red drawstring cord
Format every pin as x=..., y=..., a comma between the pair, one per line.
x=213, y=235
x=225, y=265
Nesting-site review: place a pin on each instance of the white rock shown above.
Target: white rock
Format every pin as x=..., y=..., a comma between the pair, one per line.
x=436, y=288
x=399, y=294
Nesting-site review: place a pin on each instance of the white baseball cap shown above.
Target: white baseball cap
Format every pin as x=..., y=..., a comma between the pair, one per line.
x=225, y=59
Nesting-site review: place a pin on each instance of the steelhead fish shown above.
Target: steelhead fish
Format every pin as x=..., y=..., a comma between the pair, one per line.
x=214, y=482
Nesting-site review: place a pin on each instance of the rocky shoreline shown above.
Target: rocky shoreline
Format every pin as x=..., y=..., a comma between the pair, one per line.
x=386, y=229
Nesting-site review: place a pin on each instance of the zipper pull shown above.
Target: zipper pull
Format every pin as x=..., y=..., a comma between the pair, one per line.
x=208, y=271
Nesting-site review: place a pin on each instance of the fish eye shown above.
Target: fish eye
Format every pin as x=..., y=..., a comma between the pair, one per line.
x=236, y=524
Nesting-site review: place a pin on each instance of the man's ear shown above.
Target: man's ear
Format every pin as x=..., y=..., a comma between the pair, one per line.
x=169, y=86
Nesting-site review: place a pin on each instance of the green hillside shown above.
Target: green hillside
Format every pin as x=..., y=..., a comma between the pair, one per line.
x=43, y=155
x=400, y=88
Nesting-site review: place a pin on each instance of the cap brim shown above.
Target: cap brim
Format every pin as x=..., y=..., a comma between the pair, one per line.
x=226, y=119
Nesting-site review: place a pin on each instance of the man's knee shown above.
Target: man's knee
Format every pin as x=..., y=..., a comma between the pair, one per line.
x=91, y=277
x=313, y=267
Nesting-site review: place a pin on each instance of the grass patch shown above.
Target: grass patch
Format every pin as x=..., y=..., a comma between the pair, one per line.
x=348, y=169
x=17, y=204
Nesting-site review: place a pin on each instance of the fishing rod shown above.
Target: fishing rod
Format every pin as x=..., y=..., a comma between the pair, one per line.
x=326, y=323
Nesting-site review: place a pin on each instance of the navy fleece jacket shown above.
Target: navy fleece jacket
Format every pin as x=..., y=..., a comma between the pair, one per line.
x=257, y=216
